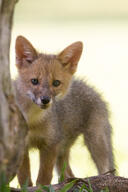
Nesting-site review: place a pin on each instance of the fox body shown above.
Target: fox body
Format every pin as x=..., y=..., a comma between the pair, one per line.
x=58, y=108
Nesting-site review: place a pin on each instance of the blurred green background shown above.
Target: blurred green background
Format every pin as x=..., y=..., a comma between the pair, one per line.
x=102, y=26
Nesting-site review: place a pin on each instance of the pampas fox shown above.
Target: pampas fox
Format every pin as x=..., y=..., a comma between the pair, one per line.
x=58, y=108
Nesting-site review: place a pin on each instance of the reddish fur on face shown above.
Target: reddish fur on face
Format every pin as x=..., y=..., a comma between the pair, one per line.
x=46, y=68
x=46, y=71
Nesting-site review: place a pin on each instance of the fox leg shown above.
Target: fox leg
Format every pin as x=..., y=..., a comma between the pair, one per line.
x=47, y=161
x=24, y=174
x=63, y=161
x=98, y=140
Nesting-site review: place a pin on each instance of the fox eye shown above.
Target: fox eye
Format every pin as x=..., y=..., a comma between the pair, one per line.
x=56, y=83
x=34, y=81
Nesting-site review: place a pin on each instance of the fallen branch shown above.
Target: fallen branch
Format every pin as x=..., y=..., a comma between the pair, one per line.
x=98, y=183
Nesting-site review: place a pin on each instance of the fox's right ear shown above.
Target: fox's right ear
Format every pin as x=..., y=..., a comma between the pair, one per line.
x=70, y=56
x=25, y=52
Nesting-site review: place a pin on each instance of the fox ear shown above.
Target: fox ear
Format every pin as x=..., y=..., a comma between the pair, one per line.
x=25, y=52
x=70, y=56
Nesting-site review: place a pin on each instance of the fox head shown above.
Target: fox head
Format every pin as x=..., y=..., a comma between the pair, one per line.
x=45, y=77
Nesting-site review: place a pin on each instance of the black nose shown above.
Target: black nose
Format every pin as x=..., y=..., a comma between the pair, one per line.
x=45, y=100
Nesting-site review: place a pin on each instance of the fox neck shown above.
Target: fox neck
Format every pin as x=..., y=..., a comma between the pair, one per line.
x=34, y=114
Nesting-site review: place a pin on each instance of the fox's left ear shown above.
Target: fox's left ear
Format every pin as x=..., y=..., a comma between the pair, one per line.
x=25, y=52
x=70, y=56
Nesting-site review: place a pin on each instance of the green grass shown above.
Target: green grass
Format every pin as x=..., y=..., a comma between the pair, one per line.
x=4, y=187
x=61, y=179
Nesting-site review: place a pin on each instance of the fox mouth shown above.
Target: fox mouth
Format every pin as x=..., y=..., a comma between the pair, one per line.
x=43, y=106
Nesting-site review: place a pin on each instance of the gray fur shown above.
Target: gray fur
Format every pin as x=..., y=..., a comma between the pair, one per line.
x=80, y=111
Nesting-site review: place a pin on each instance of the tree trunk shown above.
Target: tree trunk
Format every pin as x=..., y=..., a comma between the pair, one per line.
x=12, y=124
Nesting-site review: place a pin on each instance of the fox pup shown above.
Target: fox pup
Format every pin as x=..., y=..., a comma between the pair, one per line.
x=58, y=108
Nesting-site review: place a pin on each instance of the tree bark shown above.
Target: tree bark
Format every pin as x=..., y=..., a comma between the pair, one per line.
x=13, y=128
